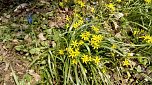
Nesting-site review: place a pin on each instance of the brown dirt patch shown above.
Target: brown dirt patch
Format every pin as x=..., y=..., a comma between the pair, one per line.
x=9, y=59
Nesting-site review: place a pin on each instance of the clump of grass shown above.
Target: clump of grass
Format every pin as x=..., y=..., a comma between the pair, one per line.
x=100, y=43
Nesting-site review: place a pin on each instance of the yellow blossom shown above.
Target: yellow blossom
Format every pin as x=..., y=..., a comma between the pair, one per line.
x=76, y=25
x=96, y=29
x=97, y=38
x=147, y=38
x=90, y=58
x=67, y=25
x=104, y=70
x=69, y=50
x=135, y=32
x=85, y=58
x=75, y=43
x=130, y=54
x=74, y=61
x=74, y=53
x=95, y=41
x=114, y=46
x=85, y=35
x=126, y=62
x=92, y=10
x=61, y=4
x=67, y=18
x=112, y=54
x=61, y=52
x=81, y=3
x=148, y=1
x=80, y=21
x=97, y=60
x=118, y=0
x=94, y=44
x=111, y=6
x=81, y=42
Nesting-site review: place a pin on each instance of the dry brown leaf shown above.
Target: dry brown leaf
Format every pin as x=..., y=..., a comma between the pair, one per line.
x=27, y=38
x=118, y=15
x=41, y=37
x=52, y=24
x=35, y=75
x=53, y=44
x=21, y=6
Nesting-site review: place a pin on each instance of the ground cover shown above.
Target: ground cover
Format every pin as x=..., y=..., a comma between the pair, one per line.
x=77, y=42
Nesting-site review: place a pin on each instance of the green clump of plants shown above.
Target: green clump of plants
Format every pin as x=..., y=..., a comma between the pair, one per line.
x=100, y=42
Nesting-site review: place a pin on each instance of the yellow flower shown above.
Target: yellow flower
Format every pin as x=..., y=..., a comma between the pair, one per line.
x=74, y=61
x=61, y=52
x=104, y=70
x=135, y=32
x=82, y=4
x=96, y=29
x=75, y=43
x=76, y=25
x=112, y=54
x=97, y=60
x=118, y=0
x=97, y=38
x=126, y=62
x=94, y=44
x=61, y=4
x=90, y=58
x=67, y=25
x=95, y=41
x=85, y=35
x=80, y=21
x=85, y=58
x=147, y=38
x=81, y=42
x=148, y=1
x=74, y=53
x=114, y=46
x=111, y=6
x=69, y=50
x=92, y=10
x=67, y=18
x=130, y=54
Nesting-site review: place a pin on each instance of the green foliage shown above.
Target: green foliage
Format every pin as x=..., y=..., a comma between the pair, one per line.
x=99, y=43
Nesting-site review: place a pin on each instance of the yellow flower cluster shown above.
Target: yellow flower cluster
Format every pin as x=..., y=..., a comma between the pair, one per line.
x=95, y=41
x=78, y=23
x=111, y=6
x=85, y=35
x=73, y=52
x=148, y=1
x=147, y=38
x=92, y=10
x=74, y=61
x=118, y=0
x=97, y=60
x=87, y=58
x=75, y=44
x=114, y=46
x=61, y=52
x=80, y=2
x=126, y=62
x=95, y=29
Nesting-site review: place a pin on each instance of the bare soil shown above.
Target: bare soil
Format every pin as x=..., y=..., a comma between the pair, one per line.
x=7, y=60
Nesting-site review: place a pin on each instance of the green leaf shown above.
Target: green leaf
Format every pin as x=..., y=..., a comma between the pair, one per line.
x=20, y=47
x=35, y=51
